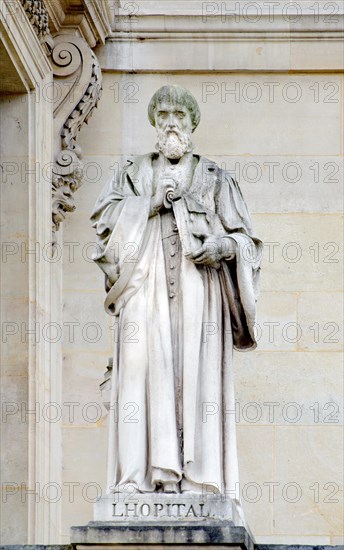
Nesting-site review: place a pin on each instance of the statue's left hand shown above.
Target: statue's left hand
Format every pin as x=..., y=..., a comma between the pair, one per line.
x=213, y=250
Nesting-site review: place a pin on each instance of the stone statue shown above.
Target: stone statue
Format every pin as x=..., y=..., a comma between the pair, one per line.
x=181, y=264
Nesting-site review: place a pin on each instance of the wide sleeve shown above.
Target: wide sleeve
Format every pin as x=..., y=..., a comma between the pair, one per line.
x=231, y=207
x=241, y=273
x=105, y=215
x=108, y=208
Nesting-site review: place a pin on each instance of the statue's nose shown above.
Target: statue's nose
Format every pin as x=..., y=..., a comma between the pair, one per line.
x=171, y=120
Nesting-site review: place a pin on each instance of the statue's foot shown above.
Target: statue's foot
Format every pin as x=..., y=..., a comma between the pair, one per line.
x=171, y=487
x=189, y=487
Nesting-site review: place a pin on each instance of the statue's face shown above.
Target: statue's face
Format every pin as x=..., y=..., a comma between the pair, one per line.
x=174, y=128
x=170, y=116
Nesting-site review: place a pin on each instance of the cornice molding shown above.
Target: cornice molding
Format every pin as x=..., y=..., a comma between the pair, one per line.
x=278, y=41
x=231, y=28
x=90, y=19
x=337, y=36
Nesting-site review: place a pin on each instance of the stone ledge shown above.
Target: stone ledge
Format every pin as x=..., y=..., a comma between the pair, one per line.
x=210, y=534
x=256, y=547
x=36, y=547
x=297, y=547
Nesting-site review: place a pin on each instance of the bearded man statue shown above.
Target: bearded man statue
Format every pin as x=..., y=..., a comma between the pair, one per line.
x=181, y=262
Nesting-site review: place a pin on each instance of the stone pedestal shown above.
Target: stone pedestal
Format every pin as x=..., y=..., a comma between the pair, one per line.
x=159, y=535
x=156, y=521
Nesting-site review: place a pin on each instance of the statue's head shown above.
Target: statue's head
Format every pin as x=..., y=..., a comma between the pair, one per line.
x=175, y=114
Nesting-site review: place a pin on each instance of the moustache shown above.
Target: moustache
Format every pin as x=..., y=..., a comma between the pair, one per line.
x=167, y=132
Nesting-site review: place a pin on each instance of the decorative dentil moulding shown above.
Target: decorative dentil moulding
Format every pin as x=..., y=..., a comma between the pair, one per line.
x=78, y=86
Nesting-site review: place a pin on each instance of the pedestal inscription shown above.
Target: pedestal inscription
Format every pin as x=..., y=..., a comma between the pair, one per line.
x=163, y=507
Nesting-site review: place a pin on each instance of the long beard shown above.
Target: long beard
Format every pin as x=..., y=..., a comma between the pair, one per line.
x=175, y=144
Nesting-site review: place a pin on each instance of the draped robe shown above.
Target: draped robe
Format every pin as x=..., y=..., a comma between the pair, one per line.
x=216, y=312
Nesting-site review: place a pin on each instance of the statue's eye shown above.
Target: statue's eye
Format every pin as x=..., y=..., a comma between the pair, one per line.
x=180, y=114
x=163, y=114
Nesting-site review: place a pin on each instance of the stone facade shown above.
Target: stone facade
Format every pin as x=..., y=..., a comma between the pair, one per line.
x=270, y=85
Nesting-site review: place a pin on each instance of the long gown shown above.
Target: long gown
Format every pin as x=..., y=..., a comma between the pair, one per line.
x=172, y=396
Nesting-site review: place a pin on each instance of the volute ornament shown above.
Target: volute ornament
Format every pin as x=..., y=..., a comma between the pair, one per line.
x=77, y=87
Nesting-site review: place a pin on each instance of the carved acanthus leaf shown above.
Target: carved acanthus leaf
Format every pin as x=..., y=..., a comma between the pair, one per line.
x=39, y=19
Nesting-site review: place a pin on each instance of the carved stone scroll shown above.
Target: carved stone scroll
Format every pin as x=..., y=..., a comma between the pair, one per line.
x=77, y=87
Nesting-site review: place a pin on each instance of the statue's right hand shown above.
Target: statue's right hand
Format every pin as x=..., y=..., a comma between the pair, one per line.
x=156, y=204
x=160, y=198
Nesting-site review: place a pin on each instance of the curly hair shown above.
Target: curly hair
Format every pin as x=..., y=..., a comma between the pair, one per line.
x=179, y=96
